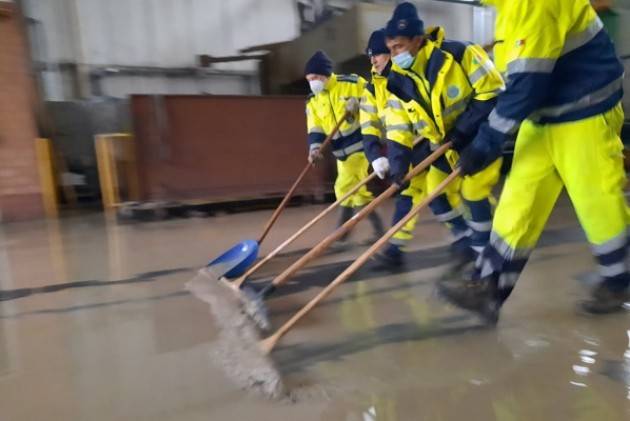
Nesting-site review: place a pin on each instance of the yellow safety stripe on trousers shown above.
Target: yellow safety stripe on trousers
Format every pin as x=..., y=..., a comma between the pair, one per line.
x=506, y=251
x=480, y=226
x=611, y=245
x=450, y=215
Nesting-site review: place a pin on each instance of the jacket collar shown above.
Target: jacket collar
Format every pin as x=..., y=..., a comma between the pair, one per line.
x=384, y=74
x=433, y=40
x=332, y=82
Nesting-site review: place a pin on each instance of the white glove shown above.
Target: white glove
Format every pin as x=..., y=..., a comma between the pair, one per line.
x=352, y=105
x=315, y=155
x=381, y=167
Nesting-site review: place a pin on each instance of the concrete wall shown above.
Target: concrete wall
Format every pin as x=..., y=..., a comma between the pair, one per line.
x=20, y=196
x=154, y=33
x=457, y=19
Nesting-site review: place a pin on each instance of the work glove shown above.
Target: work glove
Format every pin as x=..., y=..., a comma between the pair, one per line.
x=381, y=167
x=352, y=106
x=315, y=155
x=482, y=151
x=458, y=139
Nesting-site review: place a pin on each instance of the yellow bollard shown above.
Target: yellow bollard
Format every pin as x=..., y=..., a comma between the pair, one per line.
x=47, y=176
x=113, y=150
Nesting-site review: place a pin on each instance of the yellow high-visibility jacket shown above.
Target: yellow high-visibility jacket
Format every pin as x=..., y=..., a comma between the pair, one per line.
x=449, y=91
x=373, y=103
x=326, y=109
x=561, y=65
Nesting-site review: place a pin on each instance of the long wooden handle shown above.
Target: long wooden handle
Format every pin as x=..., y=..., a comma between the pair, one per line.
x=268, y=344
x=287, y=197
x=339, y=232
x=237, y=283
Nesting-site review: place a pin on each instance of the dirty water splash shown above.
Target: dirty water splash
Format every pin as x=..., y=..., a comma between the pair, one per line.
x=236, y=351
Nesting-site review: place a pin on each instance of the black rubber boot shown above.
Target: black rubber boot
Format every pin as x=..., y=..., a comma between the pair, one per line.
x=392, y=257
x=345, y=215
x=461, y=259
x=477, y=295
x=377, y=227
x=603, y=300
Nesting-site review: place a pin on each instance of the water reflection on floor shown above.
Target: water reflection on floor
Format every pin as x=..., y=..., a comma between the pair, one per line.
x=95, y=325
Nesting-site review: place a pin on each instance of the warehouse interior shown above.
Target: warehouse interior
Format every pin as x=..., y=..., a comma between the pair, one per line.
x=144, y=143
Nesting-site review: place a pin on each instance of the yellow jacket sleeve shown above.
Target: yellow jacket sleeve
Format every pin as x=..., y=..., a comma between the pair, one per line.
x=372, y=129
x=487, y=83
x=481, y=73
x=398, y=125
x=314, y=127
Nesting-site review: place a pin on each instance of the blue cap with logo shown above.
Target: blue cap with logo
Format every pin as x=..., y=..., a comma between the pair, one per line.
x=376, y=44
x=405, y=22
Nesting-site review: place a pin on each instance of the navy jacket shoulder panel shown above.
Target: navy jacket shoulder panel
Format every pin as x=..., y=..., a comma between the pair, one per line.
x=352, y=78
x=370, y=87
x=403, y=87
x=435, y=63
x=456, y=48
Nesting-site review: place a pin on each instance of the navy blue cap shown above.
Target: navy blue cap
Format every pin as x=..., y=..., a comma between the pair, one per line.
x=376, y=44
x=405, y=22
x=319, y=64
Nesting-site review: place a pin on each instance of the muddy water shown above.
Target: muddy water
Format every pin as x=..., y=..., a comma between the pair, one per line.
x=95, y=324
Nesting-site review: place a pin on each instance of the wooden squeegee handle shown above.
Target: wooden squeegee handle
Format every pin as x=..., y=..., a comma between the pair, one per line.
x=239, y=281
x=268, y=344
x=346, y=227
x=287, y=197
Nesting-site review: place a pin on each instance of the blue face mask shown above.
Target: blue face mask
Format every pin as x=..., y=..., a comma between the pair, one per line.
x=403, y=60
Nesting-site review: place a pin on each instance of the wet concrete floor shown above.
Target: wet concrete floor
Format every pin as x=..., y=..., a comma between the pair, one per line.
x=95, y=324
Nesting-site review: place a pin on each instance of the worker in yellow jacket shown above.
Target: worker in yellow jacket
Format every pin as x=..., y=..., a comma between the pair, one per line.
x=373, y=108
x=442, y=90
x=563, y=97
x=332, y=96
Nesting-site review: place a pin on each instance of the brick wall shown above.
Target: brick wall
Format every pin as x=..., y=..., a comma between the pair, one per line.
x=20, y=197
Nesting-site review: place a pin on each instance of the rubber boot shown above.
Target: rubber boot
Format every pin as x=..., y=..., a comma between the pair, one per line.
x=461, y=258
x=345, y=215
x=481, y=296
x=604, y=300
x=377, y=227
x=392, y=257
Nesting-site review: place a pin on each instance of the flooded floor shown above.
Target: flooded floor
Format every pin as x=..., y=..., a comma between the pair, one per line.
x=95, y=324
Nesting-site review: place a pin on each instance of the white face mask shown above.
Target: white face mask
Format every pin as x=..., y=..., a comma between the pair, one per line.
x=404, y=60
x=316, y=85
